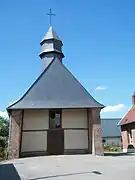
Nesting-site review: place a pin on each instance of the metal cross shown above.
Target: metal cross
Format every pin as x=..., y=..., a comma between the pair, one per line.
x=50, y=14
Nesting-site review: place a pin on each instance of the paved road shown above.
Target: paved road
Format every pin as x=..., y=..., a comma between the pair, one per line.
x=84, y=167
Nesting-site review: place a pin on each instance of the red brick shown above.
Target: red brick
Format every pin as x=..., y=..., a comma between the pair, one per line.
x=15, y=134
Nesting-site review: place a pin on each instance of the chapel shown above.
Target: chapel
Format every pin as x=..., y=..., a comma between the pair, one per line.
x=56, y=115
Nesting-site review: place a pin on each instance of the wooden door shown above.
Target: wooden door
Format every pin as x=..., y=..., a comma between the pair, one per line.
x=55, y=141
x=55, y=134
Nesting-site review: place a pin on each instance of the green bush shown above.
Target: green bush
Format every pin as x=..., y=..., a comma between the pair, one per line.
x=3, y=153
x=130, y=146
x=112, y=148
x=4, y=134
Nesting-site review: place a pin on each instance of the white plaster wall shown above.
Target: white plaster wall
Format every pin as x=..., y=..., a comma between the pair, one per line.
x=34, y=141
x=35, y=119
x=74, y=118
x=75, y=139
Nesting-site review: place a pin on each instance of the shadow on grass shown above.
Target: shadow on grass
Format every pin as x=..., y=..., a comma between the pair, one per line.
x=67, y=174
x=8, y=172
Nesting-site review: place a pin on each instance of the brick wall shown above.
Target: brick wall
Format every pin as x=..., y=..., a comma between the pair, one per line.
x=15, y=134
x=133, y=134
x=124, y=139
x=95, y=131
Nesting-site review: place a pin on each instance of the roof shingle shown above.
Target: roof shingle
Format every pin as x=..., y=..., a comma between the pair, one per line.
x=51, y=34
x=129, y=117
x=56, y=87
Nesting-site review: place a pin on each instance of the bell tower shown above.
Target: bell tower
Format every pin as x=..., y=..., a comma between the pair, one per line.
x=51, y=46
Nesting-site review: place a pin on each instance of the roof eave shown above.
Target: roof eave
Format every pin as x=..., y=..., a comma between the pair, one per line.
x=102, y=106
x=52, y=51
x=47, y=39
x=68, y=107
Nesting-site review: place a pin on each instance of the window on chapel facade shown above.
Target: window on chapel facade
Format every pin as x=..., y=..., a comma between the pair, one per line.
x=55, y=119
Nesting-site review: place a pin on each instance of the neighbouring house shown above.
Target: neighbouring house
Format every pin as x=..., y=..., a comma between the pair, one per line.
x=127, y=124
x=56, y=115
x=111, y=133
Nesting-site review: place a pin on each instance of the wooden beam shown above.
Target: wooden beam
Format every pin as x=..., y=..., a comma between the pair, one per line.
x=21, y=133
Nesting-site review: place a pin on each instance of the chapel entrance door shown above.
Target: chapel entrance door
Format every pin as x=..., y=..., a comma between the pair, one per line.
x=55, y=134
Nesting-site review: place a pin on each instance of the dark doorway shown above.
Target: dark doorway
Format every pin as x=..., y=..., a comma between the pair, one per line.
x=55, y=135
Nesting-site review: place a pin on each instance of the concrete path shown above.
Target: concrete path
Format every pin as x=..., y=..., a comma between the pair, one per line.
x=84, y=167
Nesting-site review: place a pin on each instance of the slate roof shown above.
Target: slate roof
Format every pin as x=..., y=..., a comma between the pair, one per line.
x=51, y=34
x=129, y=117
x=56, y=87
x=110, y=128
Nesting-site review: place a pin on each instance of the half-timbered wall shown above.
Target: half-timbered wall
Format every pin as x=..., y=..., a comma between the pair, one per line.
x=74, y=122
x=35, y=125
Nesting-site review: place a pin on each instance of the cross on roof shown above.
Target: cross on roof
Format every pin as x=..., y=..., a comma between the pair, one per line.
x=50, y=14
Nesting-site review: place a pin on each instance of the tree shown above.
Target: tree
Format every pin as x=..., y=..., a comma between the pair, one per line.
x=4, y=132
x=4, y=135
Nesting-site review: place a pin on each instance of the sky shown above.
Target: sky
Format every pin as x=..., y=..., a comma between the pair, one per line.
x=98, y=44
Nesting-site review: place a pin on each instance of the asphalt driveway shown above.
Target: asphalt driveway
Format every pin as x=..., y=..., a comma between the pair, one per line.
x=84, y=167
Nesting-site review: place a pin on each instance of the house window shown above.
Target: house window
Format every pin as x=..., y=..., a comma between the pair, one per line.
x=55, y=119
x=130, y=136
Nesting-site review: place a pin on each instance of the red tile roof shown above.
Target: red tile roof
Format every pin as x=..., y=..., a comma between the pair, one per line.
x=129, y=117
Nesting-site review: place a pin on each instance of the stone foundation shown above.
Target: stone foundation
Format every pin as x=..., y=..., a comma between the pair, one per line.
x=15, y=134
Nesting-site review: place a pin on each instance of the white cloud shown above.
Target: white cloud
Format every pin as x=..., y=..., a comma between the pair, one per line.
x=100, y=88
x=4, y=114
x=114, y=108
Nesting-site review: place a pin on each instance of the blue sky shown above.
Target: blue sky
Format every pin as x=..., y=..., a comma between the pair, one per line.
x=99, y=47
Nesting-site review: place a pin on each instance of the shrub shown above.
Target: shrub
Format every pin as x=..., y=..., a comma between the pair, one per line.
x=112, y=148
x=4, y=134
x=3, y=153
x=130, y=146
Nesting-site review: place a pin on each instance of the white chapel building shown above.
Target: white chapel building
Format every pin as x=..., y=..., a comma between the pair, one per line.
x=56, y=115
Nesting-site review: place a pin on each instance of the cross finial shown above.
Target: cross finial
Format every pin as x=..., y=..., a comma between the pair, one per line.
x=50, y=14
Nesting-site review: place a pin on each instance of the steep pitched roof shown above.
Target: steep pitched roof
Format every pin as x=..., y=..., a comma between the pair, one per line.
x=56, y=87
x=51, y=34
x=129, y=117
x=110, y=128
